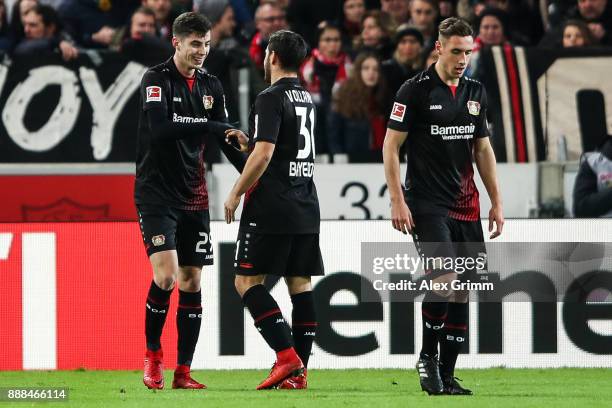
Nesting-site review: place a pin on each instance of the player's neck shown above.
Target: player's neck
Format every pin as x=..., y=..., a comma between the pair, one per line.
x=280, y=75
x=184, y=70
x=445, y=77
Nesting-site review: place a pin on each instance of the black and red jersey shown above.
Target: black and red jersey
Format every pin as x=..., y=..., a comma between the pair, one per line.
x=170, y=171
x=284, y=199
x=441, y=123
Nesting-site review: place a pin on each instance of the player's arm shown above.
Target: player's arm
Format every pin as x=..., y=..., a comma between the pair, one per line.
x=153, y=91
x=268, y=115
x=487, y=168
x=397, y=131
x=219, y=114
x=255, y=166
x=486, y=164
x=400, y=214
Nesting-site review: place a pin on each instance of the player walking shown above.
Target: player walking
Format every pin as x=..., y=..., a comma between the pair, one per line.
x=444, y=115
x=279, y=229
x=182, y=109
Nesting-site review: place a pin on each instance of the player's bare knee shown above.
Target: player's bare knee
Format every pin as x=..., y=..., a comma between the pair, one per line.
x=298, y=284
x=165, y=282
x=244, y=283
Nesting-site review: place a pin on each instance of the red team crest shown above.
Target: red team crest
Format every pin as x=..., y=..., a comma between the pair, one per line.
x=153, y=94
x=398, y=112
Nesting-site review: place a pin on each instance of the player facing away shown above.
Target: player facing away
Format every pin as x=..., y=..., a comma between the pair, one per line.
x=182, y=109
x=279, y=228
x=442, y=117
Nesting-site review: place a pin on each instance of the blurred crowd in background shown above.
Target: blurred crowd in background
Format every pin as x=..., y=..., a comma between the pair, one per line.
x=361, y=50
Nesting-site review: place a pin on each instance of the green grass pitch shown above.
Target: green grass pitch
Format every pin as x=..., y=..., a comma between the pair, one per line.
x=496, y=387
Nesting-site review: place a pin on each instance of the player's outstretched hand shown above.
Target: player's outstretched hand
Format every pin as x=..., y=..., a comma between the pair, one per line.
x=237, y=139
x=230, y=206
x=401, y=218
x=496, y=215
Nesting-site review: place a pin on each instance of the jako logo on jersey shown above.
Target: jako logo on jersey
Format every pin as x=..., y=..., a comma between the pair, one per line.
x=473, y=108
x=208, y=101
x=187, y=119
x=453, y=132
x=153, y=94
x=398, y=112
x=158, y=240
x=176, y=99
x=435, y=107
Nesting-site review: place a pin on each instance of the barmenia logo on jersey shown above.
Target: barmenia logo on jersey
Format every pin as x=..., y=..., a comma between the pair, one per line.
x=453, y=132
x=187, y=119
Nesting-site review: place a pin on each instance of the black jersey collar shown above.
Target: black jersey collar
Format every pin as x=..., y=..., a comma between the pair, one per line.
x=288, y=81
x=434, y=74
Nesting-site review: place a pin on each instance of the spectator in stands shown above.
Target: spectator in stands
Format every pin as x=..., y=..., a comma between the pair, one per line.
x=447, y=9
x=324, y=70
x=18, y=12
x=94, y=24
x=5, y=34
x=598, y=17
x=42, y=31
x=163, y=16
x=378, y=27
x=358, y=129
x=304, y=16
x=407, y=60
x=226, y=56
x=593, y=185
x=576, y=34
x=399, y=10
x=352, y=15
x=140, y=39
x=424, y=15
x=491, y=31
x=269, y=19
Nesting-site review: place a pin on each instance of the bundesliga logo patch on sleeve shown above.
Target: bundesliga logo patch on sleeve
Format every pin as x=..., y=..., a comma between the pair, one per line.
x=398, y=112
x=153, y=94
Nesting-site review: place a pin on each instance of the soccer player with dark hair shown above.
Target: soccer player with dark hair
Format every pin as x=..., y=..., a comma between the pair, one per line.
x=182, y=109
x=279, y=229
x=442, y=115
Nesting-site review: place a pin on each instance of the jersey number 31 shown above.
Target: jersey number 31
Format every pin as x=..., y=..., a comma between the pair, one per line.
x=309, y=142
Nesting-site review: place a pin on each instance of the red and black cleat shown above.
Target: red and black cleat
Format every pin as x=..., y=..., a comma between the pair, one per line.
x=154, y=369
x=287, y=364
x=295, y=383
x=183, y=380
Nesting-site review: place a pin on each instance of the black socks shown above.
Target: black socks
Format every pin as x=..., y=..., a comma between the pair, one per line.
x=433, y=310
x=453, y=336
x=188, y=322
x=158, y=301
x=268, y=318
x=304, y=324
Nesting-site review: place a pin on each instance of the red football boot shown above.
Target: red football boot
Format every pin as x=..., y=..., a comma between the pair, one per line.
x=154, y=369
x=182, y=379
x=287, y=364
x=295, y=383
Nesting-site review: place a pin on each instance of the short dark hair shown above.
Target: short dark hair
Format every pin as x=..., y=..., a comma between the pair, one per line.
x=190, y=23
x=48, y=15
x=147, y=11
x=454, y=26
x=290, y=48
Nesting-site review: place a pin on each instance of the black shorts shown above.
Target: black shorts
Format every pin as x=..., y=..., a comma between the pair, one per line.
x=188, y=232
x=278, y=254
x=442, y=236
